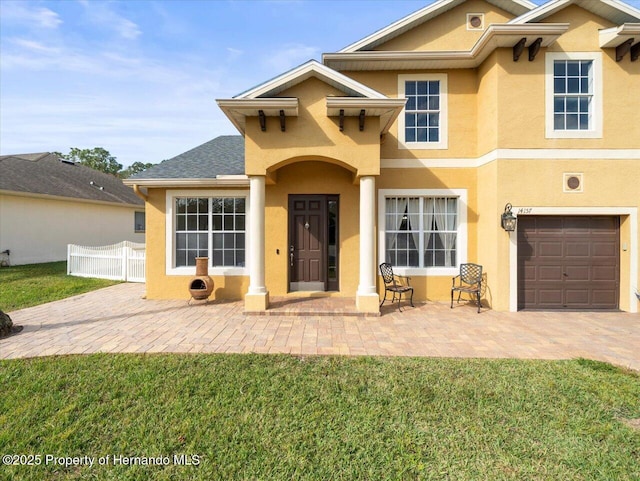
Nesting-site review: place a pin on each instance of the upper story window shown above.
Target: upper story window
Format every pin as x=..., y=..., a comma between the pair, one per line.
x=574, y=95
x=423, y=125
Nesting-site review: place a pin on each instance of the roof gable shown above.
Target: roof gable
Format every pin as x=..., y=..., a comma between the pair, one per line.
x=46, y=174
x=613, y=10
x=299, y=74
x=515, y=7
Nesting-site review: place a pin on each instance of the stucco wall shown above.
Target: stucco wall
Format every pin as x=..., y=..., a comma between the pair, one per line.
x=38, y=230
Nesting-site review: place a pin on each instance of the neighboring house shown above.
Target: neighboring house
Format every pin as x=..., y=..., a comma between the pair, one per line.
x=406, y=147
x=47, y=203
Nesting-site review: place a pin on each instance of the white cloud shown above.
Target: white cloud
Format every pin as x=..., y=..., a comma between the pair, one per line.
x=100, y=14
x=37, y=17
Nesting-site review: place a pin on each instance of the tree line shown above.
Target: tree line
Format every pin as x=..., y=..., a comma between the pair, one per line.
x=100, y=159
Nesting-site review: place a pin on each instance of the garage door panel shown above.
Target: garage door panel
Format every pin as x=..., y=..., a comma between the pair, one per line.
x=576, y=225
x=549, y=249
x=548, y=225
x=549, y=297
x=576, y=249
x=569, y=262
x=576, y=298
x=604, y=298
x=577, y=273
x=549, y=273
x=604, y=249
x=604, y=273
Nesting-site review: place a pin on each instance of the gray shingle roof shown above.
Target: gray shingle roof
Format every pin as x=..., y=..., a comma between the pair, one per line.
x=223, y=155
x=45, y=174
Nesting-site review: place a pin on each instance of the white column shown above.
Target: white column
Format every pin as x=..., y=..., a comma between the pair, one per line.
x=256, y=235
x=367, y=296
x=257, y=297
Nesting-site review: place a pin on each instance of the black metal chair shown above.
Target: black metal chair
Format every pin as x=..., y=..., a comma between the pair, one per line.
x=396, y=284
x=469, y=281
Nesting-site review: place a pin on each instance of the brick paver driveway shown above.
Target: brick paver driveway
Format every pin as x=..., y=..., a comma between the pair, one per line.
x=118, y=319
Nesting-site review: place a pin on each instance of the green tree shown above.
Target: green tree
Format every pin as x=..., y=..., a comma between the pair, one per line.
x=96, y=158
x=134, y=169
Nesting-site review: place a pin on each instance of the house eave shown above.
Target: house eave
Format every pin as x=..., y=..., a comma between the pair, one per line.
x=17, y=193
x=219, y=181
x=613, y=37
x=517, y=7
x=237, y=110
x=496, y=36
x=387, y=109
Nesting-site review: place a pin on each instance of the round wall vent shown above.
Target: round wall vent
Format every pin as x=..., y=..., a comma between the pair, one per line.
x=573, y=182
x=475, y=21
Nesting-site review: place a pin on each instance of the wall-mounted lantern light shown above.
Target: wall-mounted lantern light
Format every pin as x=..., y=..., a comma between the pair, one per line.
x=508, y=220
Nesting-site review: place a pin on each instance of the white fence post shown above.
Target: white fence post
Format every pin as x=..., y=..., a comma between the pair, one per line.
x=122, y=262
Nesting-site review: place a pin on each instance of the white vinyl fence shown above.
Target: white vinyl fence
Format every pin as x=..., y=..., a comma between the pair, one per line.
x=120, y=262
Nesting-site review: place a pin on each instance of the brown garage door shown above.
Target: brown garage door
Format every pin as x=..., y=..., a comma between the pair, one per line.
x=568, y=262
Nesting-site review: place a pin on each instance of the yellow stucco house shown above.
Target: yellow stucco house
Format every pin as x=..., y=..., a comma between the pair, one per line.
x=405, y=147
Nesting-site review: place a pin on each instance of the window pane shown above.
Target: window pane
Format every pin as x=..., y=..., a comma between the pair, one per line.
x=228, y=222
x=559, y=86
x=216, y=205
x=240, y=258
x=192, y=222
x=181, y=222
x=422, y=103
x=411, y=103
x=558, y=121
x=410, y=135
x=572, y=122
x=584, y=122
x=181, y=206
x=217, y=222
x=573, y=68
x=434, y=103
x=422, y=135
x=240, y=222
x=217, y=241
x=239, y=241
x=423, y=87
x=240, y=205
x=434, y=87
x=410, y=120
x=572, y=104
x=585, y=67
x=192, y=206
x=558, y=104
x=559, y=68
x=410, y=88
x=229, y=241
x=433, y=135
x=203, y=222
x=217, y=257
x=229, y=258
x=573, y=85
x=422, y=120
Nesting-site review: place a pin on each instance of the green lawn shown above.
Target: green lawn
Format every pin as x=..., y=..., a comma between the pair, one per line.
x=33, y=284
x=283, y=417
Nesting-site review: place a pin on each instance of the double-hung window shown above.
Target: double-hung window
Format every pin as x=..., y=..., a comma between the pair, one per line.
x=423, y=230
x=208, y=226
x=574, y=95
x=423, y=124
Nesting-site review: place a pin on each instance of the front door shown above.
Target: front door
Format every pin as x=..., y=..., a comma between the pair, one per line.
x=313, y=242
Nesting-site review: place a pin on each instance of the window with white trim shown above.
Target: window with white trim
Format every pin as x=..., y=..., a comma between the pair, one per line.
x=574, y=95
x=421, y=231
x=423, y=124
x=211, y=227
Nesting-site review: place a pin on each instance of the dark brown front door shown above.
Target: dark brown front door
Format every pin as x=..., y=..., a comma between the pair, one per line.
x=312, y=256
x=568, y=262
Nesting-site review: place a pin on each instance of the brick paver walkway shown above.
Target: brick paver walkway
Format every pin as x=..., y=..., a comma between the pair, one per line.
x=118, y=319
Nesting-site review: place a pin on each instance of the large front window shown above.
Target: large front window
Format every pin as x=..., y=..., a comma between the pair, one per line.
x=421, y=231
x=211, y=227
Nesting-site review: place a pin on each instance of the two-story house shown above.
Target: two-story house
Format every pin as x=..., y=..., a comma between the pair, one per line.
x=407, y=147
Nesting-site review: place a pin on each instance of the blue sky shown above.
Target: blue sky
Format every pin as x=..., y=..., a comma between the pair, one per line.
x=140, y=78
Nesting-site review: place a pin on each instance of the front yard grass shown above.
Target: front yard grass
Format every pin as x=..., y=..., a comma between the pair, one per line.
x=33, y=284
x=285, y=417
